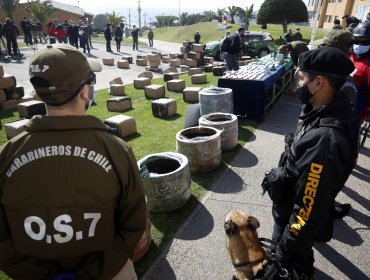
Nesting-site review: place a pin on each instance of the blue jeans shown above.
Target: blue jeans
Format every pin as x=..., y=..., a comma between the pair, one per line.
x=85, y=45
x=231, y=62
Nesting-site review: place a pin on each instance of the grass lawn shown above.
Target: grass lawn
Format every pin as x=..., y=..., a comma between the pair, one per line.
x=158, y=135
x=209, y=32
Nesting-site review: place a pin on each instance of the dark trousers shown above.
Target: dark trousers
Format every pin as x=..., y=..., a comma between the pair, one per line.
x=118, y=45
x=135, y=43
x=28, y=37
x=231, y=62
x=12, y=42
x=73, y=42
x=90, y=41
x=150, y=42
x=109, y=49
x=85, y=44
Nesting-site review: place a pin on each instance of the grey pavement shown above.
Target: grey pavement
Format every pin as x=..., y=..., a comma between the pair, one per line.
x=19, y=68
x=198, y=250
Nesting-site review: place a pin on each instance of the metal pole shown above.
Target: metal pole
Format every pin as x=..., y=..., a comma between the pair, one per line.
x=317, y=10
x=129, y=19
x=179, y=19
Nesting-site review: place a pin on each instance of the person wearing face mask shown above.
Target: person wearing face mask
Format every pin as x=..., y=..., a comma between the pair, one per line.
x=232, y=49
x=72, y=204
x=316, y=163
x=360, y=56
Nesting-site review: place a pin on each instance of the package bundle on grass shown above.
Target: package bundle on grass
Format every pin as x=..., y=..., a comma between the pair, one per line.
x=123, y=64
x=164, y=108
x=14, y=128
x=146, y=74
x=198, y=79
x=166, y=179
x=176, y=85
x=216, y=99
x=191, y=94
x=202, y=147
x=109, y=61
x=122, y=125
x=128, y=58
x=141, y=83
x=170, y=76
x=193, y=71
x=119, y=104
x=227, y=123
x=31, y=108
x=117, y=89
x=155, y=91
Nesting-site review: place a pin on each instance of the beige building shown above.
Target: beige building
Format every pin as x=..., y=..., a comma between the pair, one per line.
x=336, y=9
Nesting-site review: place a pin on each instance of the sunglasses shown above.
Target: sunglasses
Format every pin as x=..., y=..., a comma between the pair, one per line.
x=91, y=80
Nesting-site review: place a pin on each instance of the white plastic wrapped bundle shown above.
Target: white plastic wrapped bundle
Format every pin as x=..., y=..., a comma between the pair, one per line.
x=216, y=99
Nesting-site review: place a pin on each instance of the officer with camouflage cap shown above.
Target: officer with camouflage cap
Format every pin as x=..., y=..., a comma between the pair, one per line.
x=340, y=39
x=72, y=204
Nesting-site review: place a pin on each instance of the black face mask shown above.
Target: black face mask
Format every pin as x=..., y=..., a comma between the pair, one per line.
x=304, y=94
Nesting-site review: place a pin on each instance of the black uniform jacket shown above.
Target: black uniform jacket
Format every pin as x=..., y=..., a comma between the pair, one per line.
x=318, y=164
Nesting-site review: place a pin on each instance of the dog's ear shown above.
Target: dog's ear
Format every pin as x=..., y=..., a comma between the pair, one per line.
x=230, y=227
x=253, y=222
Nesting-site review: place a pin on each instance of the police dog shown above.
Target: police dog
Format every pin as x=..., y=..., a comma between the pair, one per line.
x=246, y=253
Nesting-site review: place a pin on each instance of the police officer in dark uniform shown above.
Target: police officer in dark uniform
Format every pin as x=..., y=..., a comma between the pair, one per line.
x=10, y=31
x=316, y=163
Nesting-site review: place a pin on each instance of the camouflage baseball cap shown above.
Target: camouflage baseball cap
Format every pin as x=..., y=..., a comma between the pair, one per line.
x=58, y=71
x=340, y=39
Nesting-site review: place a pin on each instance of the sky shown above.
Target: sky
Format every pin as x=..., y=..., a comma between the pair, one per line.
x=157, y=7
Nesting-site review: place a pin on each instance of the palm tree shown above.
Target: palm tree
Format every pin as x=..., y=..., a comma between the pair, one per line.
x=40, y=10
x=209, y=15
x=184, y=18
x=220, y=13
x=8, y=6
x=233, y=10
x=114, y=19
x=248, y=13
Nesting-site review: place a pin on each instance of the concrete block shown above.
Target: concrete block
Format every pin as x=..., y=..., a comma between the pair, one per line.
x=173, y=55
x=124, y=125
x=31, y=108
x=187, y=44
x=208, y=68
x=7, y=81
x=128, y=58
x=170, y=76
x=198, y=79
x=154, y=91
x=194, y=71
x=146, y=74
x=141, y=62
x=185, y=55
x=141, y=83
x=182, y=61
x=164, y=108
x=183, y=49
x=191, y=62
x=141, y=56
x=1, y=71
x=117, y=81
x=119, y=104
x=184, y=68
x=9, y=105
x=108, y=61
x=12, y=129
x=171, y=70
x=219, y=70
x=193, y=55
x=154, y=64
x=176, y=85
x=197, y=48
x=180, y=56
x=191, y=94
x=209, y=60
x=166, y=59
x=2, y=96
x=117, y=89
x=154, y=57
x=123, y=64
x=175, y=62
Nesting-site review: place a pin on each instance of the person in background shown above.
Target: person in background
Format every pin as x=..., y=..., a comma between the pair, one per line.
x=297, y=36
x=197, y=38
x=150, y=37
x=40, y=32
x=11, y=32
x=316, y=163
x=73, y=31
x=288, y=36
x=118, y=37
x=1, y=41
x=108, y=37
x=122, y=25
x=26, y=29
x=60, y=33
x=81, y=211
x=233, y=49
x=295, y=49
x=84, y=34
x=90, y=34
x=337, y=24
x=135, y=38
x=66, y=25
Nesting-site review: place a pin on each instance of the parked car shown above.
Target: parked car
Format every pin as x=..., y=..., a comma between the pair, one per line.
x=256, y=44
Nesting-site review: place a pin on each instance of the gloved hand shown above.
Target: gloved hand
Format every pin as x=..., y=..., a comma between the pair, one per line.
x=274, y=184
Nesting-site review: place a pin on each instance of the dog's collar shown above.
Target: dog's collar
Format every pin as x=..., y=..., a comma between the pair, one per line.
x=244, y=266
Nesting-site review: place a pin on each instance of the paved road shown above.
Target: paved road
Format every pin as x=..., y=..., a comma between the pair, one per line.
x=19, y=68
x=198, y=250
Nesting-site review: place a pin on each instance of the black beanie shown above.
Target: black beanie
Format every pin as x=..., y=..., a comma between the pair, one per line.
x=327, y=62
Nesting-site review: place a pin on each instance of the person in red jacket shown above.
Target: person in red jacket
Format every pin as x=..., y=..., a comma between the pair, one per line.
x=51, y=32
x=360, y=56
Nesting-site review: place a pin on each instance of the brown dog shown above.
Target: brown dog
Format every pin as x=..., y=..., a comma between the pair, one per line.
x=246, y=253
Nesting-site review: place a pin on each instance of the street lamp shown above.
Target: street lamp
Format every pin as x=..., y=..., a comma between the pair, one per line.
x=179, y=20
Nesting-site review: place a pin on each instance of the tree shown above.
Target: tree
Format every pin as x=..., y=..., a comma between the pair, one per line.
x=282, y=12
x=8, y=6
x=233, y=10
x=248, y=13
x=114, y=19
x=220, y=14
x=209, y=15
x=40, y=10
x=163, y=21
x=184, y=18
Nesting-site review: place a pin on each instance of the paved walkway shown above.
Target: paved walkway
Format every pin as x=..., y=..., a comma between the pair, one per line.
x=198, y=250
